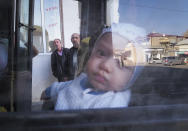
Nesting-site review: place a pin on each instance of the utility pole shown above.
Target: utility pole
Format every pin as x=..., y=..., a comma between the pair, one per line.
x=61, y=21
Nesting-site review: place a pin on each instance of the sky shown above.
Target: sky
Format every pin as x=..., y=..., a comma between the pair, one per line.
x=161, y=16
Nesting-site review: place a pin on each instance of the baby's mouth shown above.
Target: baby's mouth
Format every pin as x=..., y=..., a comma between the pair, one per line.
x=100, y=78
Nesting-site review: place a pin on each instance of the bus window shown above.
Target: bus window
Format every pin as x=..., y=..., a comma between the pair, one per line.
x=116, y=88
x=157, y=43
x=51, y=21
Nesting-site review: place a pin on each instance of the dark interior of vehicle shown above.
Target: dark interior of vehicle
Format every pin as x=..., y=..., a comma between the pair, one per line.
x=5, y=16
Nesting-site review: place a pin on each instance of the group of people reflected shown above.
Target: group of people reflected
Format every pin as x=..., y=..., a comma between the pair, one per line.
x=64, y=61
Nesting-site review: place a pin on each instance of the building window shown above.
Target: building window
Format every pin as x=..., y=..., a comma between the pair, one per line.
x=47, y=24
x=37, y=34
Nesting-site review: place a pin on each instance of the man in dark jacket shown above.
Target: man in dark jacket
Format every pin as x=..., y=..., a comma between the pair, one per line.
x=59, y=61
x=72, y=59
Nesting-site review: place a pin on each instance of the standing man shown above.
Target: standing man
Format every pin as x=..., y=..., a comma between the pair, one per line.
x=59, y=61
x=73, y=60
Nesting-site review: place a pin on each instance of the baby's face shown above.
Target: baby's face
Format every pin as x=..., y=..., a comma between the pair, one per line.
x=105, y=72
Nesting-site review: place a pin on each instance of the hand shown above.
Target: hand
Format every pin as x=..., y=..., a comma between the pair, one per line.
x=44, y=96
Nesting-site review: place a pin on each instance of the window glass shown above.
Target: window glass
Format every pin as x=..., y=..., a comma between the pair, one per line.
x=139, y=58
x=24, y=12
x=52, y=18
x=22, y=48
x=160, y=20
x=166, y=28
x=52, y=22
x=37, y=34
x=147, y=62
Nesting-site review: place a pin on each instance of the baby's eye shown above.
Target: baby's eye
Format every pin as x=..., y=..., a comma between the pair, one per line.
x=100, y=53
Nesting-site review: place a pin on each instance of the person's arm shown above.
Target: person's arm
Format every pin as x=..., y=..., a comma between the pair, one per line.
x=51, y=92
x=34, y=50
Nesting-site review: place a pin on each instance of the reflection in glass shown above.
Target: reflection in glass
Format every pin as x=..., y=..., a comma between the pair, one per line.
x=164, y=35
x=128, y=50
x=52, y=22
x=24, y=12
x=109, y=73
x=37, y=34
x=22, y=58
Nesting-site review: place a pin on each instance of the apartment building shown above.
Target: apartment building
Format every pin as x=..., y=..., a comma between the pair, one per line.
x=162, y=45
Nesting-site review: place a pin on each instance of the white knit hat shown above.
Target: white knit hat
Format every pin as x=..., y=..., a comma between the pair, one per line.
x=135, y=36
x=131, y=32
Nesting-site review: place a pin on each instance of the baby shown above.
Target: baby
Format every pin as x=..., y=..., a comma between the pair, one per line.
x=110, y=71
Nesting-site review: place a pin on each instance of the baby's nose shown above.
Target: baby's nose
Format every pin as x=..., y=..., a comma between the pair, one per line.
x=107, y=65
